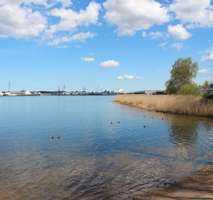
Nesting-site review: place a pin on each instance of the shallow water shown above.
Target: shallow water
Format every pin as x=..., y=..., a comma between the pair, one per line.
x=92, y=148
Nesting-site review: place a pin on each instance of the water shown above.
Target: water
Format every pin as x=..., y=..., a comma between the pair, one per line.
x=55, y=148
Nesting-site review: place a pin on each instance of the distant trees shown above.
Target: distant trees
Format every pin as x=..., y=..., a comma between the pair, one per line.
x=182, y=74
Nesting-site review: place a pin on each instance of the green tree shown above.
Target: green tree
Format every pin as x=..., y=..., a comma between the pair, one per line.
x=189, y=89
x=182, y=73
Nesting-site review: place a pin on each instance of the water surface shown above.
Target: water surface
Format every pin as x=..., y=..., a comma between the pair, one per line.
x=92, y=148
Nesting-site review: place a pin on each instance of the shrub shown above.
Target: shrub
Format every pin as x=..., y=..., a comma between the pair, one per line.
x=189, y=89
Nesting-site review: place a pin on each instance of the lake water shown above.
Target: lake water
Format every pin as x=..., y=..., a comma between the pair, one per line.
x=54, y=148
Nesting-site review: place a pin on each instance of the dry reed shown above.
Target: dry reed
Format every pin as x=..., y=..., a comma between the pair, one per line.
x=177, y=104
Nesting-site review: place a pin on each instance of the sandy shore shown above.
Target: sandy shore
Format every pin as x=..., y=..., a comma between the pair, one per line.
x=176, y=104
x=197, y=186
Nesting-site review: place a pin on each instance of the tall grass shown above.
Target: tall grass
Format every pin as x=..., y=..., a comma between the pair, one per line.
x=177, y=104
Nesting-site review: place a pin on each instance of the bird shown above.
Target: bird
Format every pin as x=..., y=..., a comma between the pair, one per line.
x=58, y=137
x=52, y=137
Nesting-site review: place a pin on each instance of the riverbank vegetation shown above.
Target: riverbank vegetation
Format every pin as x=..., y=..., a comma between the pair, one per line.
x=177, y=104
x=183, y=95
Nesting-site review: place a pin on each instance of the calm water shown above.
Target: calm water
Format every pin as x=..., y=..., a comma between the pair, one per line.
x=54, y=148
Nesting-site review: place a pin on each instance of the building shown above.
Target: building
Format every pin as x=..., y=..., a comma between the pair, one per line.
x=9, y=94
x=208, y=91
x=1, y=93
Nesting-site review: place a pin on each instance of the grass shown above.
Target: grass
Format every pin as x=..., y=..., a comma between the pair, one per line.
x=176, y=104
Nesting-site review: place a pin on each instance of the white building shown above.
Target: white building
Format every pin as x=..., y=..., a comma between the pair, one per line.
x=9, y=94
x=27, y=93
x=1, y=93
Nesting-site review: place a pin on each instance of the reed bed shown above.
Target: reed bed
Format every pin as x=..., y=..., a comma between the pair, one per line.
x=176, y=104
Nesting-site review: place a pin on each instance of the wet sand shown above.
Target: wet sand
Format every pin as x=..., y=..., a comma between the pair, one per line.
x=197, y=186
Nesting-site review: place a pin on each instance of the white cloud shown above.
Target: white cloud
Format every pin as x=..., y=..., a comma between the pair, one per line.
x=78, y=37
x=20, y=22
x=203, y=71
x=88, y=59
x=177, y=46
x=178, y=32
x=131, y=16
x=70, y=19
x=110, y=64
x=155, y=35
x=196, y=12
x=208, y=55
x=128, y=77
x=66, y=3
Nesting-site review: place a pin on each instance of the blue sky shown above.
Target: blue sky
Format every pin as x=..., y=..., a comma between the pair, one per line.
x=112, y=44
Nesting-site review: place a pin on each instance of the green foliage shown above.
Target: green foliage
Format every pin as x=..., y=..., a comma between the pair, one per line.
x=182, y=73
x=189, y=89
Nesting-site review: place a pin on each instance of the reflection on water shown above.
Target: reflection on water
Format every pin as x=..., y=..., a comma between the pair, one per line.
x=92, y=148
x=183, y=132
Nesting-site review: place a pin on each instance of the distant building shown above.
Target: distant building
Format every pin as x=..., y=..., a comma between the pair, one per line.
x=154, y=92
x=9, y=94
x=208, y=91
x=25, y=93
x=1, y=93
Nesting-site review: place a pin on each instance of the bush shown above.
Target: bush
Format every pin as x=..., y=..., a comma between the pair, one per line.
x=189, y=89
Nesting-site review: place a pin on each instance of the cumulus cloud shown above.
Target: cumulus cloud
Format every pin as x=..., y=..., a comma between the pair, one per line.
x=88, y=59
x=128, y=77
x=178, y=32
x=77, y=37
x=196, y=12
x=20, y=22
x=57, y=21
x=25, y=19
x=208, y=55
x=69, y=19
x=109, y=64
x=135, y=15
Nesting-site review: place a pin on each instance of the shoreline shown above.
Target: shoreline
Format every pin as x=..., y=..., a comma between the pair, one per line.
x=197, y=186
x=172, y=104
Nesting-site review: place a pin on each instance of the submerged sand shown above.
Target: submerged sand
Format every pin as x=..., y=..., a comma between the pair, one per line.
x=197, y=186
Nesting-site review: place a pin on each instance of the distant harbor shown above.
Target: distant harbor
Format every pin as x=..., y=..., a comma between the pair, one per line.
x=76, y=92
x=57, y=93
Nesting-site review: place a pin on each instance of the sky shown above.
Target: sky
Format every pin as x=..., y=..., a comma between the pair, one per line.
x=102, y=44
